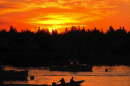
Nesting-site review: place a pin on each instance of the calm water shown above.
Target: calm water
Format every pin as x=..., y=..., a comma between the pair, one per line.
x=116, y=76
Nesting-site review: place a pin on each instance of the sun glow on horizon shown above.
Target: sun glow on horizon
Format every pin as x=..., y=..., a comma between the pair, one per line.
x=52, y=29
x=60, y=14
x=49, y=29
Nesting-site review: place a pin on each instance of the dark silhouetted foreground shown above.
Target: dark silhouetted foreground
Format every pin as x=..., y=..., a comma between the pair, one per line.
x=27, y=48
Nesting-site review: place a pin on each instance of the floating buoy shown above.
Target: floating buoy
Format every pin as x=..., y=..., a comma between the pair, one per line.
x=32, y=77
x=106, y=70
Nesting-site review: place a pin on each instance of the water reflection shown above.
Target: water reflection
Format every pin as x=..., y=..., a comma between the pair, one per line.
x=116, y=76
x=111, y=68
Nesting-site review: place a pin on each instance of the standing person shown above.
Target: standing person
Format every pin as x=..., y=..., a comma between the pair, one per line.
x=72, y=81
x=62, y=81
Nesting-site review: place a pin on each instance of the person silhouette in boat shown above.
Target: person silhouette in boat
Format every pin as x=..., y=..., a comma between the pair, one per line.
x=62, y=81
x=72, y=81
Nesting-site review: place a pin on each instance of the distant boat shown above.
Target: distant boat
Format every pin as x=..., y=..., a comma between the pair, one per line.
x=12, y=74
x=72, y=66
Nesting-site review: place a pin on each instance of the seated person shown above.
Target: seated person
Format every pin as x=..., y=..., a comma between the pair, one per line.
x=72, y=81
x=62, y=81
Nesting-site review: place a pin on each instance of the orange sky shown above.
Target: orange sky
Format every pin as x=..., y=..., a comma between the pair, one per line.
x=59, y=14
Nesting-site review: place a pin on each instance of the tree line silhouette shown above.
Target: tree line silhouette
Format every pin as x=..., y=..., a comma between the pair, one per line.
x=91, y=46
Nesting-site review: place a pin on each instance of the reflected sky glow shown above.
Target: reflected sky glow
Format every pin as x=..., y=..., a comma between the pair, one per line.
x=116, y=75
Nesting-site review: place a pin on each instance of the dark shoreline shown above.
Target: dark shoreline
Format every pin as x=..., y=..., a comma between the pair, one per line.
x=43, y=59
x=93, y=47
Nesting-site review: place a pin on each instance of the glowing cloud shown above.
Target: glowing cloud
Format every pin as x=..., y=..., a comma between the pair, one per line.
x=63, y=13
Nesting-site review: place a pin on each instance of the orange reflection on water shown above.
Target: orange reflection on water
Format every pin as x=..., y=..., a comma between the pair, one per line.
x=116, y=76
x=111, y=68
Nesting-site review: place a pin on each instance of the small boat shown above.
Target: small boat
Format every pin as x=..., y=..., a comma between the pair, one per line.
x=77, y=83
x=12, y=74
x=72, y=66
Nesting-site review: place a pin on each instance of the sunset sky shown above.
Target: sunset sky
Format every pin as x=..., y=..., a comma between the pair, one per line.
x=59, y=14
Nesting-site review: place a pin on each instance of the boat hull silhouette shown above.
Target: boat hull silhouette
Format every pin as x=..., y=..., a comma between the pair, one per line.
x=77, y=83
x=71, y=68
x=12, y=74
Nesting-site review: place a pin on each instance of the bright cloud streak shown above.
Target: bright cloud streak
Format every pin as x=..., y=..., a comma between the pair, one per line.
x=59, y=14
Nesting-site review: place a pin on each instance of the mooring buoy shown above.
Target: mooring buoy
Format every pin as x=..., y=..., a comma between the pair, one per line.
x=32, y=77
x=106, y=70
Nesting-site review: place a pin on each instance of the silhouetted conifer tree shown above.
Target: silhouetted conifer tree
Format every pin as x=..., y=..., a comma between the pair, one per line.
x=12, y=30
x=66, y=30
x=4, y=31
x=111, y=30
x=83, y=30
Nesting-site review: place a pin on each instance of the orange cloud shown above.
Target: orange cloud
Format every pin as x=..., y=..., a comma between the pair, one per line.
x=63, y=13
